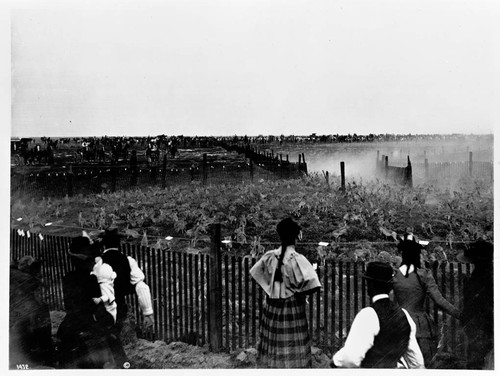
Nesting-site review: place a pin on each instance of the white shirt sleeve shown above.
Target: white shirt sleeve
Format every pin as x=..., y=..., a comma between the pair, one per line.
x=141, y=288
x=413, y=356
x=361, y=336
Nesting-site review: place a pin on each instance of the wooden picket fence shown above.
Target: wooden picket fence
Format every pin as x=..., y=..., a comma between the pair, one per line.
x=212, y=298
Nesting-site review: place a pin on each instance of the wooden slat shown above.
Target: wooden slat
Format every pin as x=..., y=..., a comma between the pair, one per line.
x=254, y=308
x=226, y=297
x=247, y=302
x=183, y=293
x=175, y=303
x=334, y=287
x=204, y=281
x=356, y=287
x=233, y=300
x=58, y=271
x=191, y=293
x=326, y=332
x=163, y=288
x=452, y=301
x=348, y=293
x=443, y=285
x=341, y=300
x=364, y=297
x=197, y=295
x=317, y=295
x=240, y=304
x=152, y=264
x=170, y=303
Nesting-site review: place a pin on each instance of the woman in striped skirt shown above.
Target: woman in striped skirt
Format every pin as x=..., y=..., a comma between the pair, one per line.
x=286, y=277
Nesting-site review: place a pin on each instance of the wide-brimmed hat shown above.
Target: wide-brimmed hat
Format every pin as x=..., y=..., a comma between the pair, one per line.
x=480, y=251
x=81, y=248
x=379, y=271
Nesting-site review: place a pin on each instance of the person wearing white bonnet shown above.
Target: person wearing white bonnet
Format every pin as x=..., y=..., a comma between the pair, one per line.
x=105, y=276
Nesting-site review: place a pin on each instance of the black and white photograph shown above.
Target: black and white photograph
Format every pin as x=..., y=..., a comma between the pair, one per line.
x=250, y=185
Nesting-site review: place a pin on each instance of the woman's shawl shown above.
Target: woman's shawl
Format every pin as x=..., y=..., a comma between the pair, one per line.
x=298, y=274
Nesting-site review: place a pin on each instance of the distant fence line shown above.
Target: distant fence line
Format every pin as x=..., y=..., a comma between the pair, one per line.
x=88, y=179
x=269, y=160
x=213, y=296
x=426, y=171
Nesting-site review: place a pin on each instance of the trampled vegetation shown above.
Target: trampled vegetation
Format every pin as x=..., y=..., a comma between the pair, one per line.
x=358, y=224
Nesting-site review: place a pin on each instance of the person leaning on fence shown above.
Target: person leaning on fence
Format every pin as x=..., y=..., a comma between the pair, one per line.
x=286, y=277
x=382, y=335
x=129, y=279
x=477, y=314
x=412, y=285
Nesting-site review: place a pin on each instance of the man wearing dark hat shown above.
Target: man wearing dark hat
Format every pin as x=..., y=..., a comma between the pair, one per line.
x=383, y=335
x=477, y=314
x=129, y=278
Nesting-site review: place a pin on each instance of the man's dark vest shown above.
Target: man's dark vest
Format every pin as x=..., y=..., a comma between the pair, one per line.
x=392, y=340
x=119, y=262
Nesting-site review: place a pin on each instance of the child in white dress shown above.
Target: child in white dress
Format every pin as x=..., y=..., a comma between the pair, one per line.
x=105, y=276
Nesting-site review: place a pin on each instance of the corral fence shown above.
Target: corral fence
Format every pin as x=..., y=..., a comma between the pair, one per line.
x=88, y=179
x=401, y=175
x=426, y=171
x=269, y=160
x=210, y=296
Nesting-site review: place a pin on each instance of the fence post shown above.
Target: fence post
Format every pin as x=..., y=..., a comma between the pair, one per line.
x=215, y=293
x=470, y=163
x=305, y=164
x=377, y=166
x=426, y=164
x=386, y=166
x=408, y=174
x=342, y=176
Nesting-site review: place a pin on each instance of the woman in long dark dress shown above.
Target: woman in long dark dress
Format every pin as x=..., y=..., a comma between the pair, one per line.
x=477, y=315
x=286, y=276
x=83, y=335
x=412, y=284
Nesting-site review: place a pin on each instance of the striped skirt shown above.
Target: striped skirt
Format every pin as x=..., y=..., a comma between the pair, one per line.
x=284, y=340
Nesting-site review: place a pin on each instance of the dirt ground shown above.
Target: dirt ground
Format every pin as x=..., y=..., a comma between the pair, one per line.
x=159, y=355
x=144, y=354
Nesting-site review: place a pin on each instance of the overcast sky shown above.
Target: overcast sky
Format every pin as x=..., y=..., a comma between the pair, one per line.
x=253, y=67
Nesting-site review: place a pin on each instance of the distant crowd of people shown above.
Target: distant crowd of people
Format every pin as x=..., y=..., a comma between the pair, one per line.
x=108, y=148
x=395, y=331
